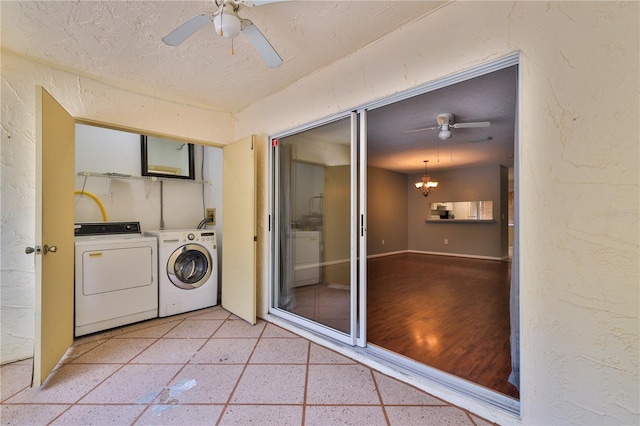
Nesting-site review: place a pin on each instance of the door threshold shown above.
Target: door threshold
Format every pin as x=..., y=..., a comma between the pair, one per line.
x=455, y=390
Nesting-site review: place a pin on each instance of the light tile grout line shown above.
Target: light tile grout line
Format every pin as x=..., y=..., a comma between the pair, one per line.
x=150, y=404
x=306, y=384
x=107, y=377
x=235, y=387
x=188, y=362
x=377, y=387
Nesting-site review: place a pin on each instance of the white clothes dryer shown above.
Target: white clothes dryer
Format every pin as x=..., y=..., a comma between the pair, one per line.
x=116, y=276
x=187, y=270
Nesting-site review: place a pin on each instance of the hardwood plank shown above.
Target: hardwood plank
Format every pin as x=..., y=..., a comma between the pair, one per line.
x=446, y=312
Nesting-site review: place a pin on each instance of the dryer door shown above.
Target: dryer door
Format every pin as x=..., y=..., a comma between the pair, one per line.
x=189, y=266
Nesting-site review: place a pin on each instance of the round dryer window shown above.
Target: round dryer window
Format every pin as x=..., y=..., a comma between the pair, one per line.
x=189, y=266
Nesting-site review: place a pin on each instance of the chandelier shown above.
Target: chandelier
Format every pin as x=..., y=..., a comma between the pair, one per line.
x=424, y=186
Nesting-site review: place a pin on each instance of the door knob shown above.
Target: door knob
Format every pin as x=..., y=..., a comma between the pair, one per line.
x=46, y=249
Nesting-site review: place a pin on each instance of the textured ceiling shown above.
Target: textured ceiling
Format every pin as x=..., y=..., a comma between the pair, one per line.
x=121, y=42
x=491, y=97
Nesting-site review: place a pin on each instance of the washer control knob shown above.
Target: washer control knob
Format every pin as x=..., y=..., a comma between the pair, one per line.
x=191, y=237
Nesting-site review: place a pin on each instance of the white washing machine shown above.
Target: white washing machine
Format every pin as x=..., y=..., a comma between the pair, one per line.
x=187, y=270
x=116, y=276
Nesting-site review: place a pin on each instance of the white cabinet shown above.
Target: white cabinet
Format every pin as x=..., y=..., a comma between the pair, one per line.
x=306, y=258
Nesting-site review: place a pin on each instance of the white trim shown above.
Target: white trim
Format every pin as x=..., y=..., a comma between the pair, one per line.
x=309, y=266
x=269, y=234
x=393, y=253
x=402, y=365
x=354, y=234
x=468, y=256
x=312, y=125
x=335, y=262
x=306, y=327
x=389, y=253
x=361, y=288
x=437, y=253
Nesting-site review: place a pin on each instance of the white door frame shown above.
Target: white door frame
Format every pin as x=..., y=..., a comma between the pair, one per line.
x=376, y=354
x=274, y=166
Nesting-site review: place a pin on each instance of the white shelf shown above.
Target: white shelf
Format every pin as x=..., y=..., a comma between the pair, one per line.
x=460, y=220
x=132, y=177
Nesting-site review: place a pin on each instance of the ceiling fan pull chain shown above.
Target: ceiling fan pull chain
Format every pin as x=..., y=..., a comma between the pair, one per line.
x=221, y=18
x=233, y=52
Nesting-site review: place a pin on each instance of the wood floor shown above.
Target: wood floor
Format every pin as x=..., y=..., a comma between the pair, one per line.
x=446, y=312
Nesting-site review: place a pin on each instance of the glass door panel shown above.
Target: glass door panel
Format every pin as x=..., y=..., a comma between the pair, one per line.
x=315, y=228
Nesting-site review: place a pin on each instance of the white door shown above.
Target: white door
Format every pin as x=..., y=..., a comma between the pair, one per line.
x=239, y=229
x=55, y=156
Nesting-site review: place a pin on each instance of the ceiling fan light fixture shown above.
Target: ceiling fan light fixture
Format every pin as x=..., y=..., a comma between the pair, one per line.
x=227, y=23
x=444, y=133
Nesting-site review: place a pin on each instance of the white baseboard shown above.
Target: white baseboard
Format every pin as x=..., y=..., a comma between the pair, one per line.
x=389, y=253
x=468, y=256
x=392, y=253
x=437, y=253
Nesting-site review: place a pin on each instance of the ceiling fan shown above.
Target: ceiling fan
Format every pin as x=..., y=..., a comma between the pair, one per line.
x=229, y=24
x=446, y=122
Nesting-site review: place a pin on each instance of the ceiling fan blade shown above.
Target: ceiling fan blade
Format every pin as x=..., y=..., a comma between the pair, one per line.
x=476, y=124
x=422, y=129
x=186, y=30
x=261, y=44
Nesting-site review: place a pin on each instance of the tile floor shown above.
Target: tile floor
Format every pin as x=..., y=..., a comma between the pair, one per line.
x=209, y=367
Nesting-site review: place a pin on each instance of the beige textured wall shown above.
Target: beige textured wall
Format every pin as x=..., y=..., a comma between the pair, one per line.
x=336, y=229
x=472, y=239
x=82, y=98
x=386, y=211
x=578, y=140
x=579, y=157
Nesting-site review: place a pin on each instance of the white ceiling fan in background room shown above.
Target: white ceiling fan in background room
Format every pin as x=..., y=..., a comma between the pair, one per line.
x=229, y=24
x=446, y=123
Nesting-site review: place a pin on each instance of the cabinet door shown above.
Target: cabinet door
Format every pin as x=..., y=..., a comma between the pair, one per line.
x=239, y=229
x=55, y=148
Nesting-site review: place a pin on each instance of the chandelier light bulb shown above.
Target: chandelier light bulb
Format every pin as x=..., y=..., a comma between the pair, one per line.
x=426, y=184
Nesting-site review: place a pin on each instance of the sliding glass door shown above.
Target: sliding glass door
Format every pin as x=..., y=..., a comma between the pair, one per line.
x=321, y=176
x=316, y=227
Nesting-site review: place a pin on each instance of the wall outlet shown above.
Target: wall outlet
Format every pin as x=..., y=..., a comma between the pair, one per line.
x=446, y=241
x=211, y=214
x=382, y=242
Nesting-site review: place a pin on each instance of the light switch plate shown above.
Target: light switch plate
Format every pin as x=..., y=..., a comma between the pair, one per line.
x=211, y=214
